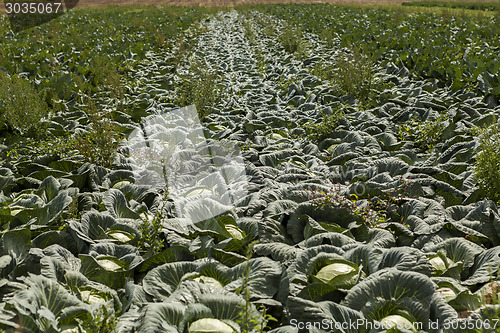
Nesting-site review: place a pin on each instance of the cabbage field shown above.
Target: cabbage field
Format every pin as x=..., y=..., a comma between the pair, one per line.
x=266, y=168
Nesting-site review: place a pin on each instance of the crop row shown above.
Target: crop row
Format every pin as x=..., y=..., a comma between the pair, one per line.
x=458, y=52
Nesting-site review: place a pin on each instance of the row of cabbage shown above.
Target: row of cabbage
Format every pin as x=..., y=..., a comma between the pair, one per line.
x=455, y=51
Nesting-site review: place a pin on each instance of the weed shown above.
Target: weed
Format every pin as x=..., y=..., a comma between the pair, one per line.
x=250, y=34
x=424, y=134
x=72, y=210
x=268, y=27
x=376, y=209
x=202, y=90
x=329, y=36
x=266, y=318
x=59, y=146
x=285, y=83
x=333, y=197
x=446, y=14
x=99, y=143
x=488, y=314
x=186, y=43
x=21, y=106
x=150, y=228
x=293, y=41
x=3, y=26
x=184, y=46
x=399, y=16
x=105, y=73
x=104, y=321
x=487, y=166
x=161, y=39
x=248, y=319
x=260, y=63
x=245, y=313
x=248, y=31
x=81, y=87
x=319, y=131
x=353, y=74
x=245, y=146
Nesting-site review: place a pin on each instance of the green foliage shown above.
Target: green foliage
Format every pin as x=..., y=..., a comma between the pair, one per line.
x=248, y=30
x=185, y=44
x=105, y=73
x=292, y=40
x=100, y=142
x=488, y=6
x=26, y=150
x=151, y=241
x=425, y=134
x=202, y=89
x=245, y=314
x=248, y=321
x=268, y=27
x=353, y=74
x=21, y=106
x=487, y=168
x=489, y=317
x=104, y=321
x=333, y=198
x=317, y=131
x=72, y=209
x=436, y=53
